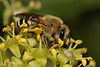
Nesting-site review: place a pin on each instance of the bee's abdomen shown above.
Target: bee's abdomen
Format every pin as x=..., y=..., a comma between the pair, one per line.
x=23, y=20
x=18, y=24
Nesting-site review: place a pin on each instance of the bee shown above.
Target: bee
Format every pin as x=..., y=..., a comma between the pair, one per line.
x=52, y=26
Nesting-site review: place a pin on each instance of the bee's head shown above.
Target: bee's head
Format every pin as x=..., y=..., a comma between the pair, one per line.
x=62, y=32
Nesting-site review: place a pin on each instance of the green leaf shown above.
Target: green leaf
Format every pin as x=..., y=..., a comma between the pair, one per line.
x=18, y=62
x=39, y=62
x=10, y=64
x=11, y=41
x=2, y=65
x=14, y=64
x=77, y=52
x=40, y=53
x=15, y=50
x=62, y=59
x=54, y=60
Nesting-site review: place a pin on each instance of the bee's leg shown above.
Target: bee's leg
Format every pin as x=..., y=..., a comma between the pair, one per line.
x=67, y=41
x=44, y=39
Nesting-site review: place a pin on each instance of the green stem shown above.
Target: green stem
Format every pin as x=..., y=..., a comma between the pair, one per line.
x=2, y=55
x=25, y=63
x=13, y=32
x=75, y=46
x=25, y=35
x=79, y=65
x=1, y=58
x=53, y=47
x=40, y=45
x=28, y=48
x=2, y=39
x=71, y=59
x=21, y=32
x=9, y=33
x=70, y=45
x=25, y=45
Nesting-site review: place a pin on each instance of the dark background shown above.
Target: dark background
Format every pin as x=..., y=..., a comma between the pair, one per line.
x=82, y=17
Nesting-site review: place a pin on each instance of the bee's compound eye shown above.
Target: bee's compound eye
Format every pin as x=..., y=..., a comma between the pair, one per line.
x=61, y=34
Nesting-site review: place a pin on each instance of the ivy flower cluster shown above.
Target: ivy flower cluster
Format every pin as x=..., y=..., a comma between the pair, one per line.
x=26, y=49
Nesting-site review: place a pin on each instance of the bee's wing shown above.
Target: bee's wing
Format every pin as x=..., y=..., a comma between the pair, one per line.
x=26, y=15
x=30, y=16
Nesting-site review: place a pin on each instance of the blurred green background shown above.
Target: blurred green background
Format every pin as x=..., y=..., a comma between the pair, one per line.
x=82, y=17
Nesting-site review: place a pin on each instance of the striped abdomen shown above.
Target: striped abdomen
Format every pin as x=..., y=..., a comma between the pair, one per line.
x=21, y=21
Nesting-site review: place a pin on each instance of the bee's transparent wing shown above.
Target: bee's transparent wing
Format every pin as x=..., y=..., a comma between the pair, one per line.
x=26, y=15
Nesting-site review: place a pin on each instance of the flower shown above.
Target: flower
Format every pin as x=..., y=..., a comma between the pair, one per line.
x=25, y=56
x=84, y=62
x=18, y=37
x=12, y=24
x=38, y=37
x=25, y=30
x=79, y=57
x=24, y=25
x=60, y=42
x=92, y=63
x=2, y=45
x=89, y=58
x=4, y=29
x=37, y=30
x=7, y=61
x=78, y=41
x=67, y=42
x=22, y=40
x=67, y=65
x=84, y=50
x=72, y=40
x=53, y=51
x=8, y=28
